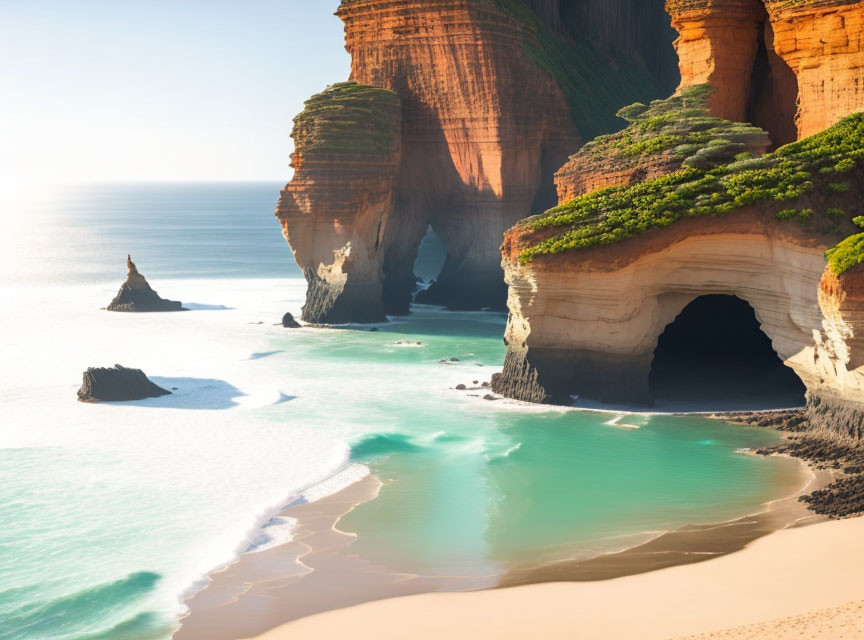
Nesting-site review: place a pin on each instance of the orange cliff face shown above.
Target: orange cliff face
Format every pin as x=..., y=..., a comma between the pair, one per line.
x=494, y=96
x=822, y=41
x=792, y=67
x=482, y=126
x=336, y=209
x=718, y=43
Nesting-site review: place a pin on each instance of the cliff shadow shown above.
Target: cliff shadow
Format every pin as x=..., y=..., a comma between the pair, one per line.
x=192, y=393
x=714, y=356
x=773, y=100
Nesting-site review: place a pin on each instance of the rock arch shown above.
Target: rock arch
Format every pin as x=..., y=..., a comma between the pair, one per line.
x=494, y=96
x=588, y=325
x=715, y=355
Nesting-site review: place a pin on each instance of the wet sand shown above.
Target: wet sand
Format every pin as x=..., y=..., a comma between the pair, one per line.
x=802, y=582
x=685, y=545
x=316, y=572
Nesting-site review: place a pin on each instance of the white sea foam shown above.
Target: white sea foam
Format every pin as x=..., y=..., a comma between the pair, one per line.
x=277, y=531
x=505, y=454
x=616, y=422
x=175, y=485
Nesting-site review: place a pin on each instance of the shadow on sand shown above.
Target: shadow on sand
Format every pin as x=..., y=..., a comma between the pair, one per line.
x=191, y=393
x=197, y=306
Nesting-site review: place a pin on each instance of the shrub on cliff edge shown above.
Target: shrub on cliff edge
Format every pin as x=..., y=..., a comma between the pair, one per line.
x=611, y=215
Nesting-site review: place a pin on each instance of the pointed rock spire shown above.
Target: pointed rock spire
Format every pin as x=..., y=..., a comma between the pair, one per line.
x=136, y=295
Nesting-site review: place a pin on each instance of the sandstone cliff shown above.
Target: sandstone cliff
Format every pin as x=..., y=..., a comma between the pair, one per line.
x=792, y=67
x=662, y=137
x=335, y=211
x=594, y=282
x=495, y=95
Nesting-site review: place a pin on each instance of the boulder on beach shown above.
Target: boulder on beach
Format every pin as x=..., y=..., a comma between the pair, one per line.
x=117, y=384
x=136, y=295
x=289, y=322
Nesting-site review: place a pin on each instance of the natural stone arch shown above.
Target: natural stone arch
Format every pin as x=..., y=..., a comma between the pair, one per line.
x=590, y=327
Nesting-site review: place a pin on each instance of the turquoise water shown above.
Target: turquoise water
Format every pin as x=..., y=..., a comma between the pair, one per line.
x=112, y=514
x=545, y=487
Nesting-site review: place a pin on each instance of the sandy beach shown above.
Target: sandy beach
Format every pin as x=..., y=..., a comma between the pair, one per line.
x=800, y=582
x=317, y=572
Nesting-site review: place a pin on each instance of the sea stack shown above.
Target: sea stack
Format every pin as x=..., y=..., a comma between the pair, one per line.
x=117, y=384
x=136, y=295
x=289, y=322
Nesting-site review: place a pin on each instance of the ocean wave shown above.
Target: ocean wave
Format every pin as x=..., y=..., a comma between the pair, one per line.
x=144, y=626
x=616, y=422
x=40, y=619
x=499, y=457
x=443, y=436
x=382, y=444
x=275, y=532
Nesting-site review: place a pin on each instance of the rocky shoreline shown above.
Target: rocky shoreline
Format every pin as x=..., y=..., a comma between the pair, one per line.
x=823, y=450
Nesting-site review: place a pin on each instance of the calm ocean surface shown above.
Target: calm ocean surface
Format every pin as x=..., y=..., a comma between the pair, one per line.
x=112, y=513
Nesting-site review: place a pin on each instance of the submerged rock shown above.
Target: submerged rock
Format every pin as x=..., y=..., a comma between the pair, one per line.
x=289, y=322
x=136, y=295
x=117, y=384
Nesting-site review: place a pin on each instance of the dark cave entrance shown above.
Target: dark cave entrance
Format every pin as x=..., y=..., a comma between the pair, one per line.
x=714, y=356
x=431, y=256
x=773, y=100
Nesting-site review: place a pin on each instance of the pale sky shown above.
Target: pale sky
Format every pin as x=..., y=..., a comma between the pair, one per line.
x=117, y=90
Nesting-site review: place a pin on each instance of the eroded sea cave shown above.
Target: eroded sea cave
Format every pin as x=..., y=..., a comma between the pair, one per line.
x=715, y=355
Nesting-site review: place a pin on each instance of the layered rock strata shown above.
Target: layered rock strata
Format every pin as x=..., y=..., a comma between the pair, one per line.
x=791, y=67
x=494, y=96
x=587, y=324
x=590, y=293
x=834, y=406
x=117, y=384
x=336, y=210
x=136, y=295
x=821, y=42
x=662, y=137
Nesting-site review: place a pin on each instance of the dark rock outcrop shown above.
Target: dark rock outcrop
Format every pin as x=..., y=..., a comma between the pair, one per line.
x=117, y=384
x=136, y=295
x=844, y=497
x=831, y=412
x=289, y=322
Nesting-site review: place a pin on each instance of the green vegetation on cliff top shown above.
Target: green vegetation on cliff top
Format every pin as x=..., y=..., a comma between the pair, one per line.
x=807, y=181
x=682, y=127
x=349, y=118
